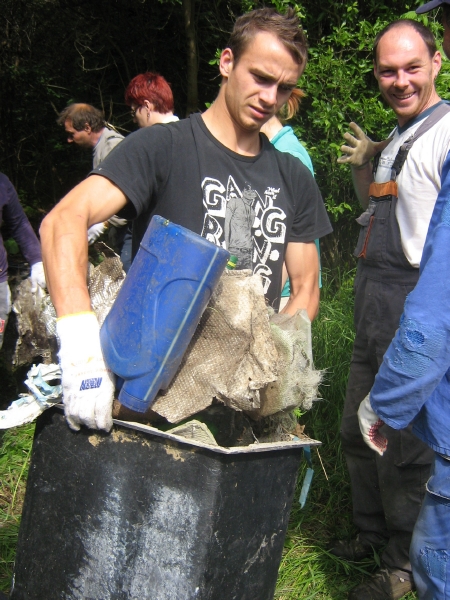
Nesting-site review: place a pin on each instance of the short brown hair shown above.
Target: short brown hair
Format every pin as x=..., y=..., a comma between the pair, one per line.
x=81, y=115
x=285, y=27
x=423, y=31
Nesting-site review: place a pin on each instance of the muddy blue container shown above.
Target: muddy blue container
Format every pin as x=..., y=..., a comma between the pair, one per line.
x=158, y=308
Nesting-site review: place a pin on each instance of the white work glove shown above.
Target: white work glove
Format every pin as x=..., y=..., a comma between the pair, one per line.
x=361, y=150
x=88, y=384
x=95, y=231
x=37, y=277
x=370, y=423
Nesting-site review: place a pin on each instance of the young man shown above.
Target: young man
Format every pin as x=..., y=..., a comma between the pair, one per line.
x=412, y=385
x=187, y=172
x=387, y=491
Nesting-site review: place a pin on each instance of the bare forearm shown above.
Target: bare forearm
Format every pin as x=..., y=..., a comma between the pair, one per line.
x=302, y=264
x=305, y=298
x=64, y=253
x=64, y=241
x=362, y=178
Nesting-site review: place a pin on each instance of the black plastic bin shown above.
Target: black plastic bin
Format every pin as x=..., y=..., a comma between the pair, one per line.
x=145, y=515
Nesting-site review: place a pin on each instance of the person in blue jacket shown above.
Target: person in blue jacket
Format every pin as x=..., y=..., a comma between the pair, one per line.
x=413, y=386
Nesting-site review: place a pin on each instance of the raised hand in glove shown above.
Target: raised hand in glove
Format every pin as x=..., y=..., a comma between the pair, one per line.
x=370, y=423
x=361, y=149
x=95, y=231
x=37, y=277
x=88, y=384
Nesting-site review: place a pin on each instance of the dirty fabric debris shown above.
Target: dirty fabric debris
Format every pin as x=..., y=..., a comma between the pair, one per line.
x=231, y=356
x=297, y=382
x=34, y=339
x=104, y=283
x=36, y=317
x=237, y=355
x=195, y=430
x=42, y=396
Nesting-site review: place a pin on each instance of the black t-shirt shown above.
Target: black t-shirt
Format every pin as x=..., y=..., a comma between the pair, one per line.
x=251, y=205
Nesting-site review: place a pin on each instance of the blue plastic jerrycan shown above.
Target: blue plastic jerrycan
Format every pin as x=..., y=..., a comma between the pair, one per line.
x=158, y=308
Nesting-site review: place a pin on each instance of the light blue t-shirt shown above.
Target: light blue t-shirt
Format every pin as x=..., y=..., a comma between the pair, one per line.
x=286, y=141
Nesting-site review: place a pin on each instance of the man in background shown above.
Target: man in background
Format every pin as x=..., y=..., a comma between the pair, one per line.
x=85, y=126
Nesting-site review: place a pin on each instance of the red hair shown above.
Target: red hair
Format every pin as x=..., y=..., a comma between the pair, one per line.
x=151, y=87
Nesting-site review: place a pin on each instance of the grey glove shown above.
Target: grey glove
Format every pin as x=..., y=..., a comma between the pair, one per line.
x=361, y=149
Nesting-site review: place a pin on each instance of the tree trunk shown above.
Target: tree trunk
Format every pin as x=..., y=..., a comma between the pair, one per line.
x=192, y=59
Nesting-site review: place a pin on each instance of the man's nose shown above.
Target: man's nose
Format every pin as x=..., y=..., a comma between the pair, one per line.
x=269, y=95
x=401, y=80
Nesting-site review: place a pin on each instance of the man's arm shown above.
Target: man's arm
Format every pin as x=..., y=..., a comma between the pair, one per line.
x=362, y=177
x=64, y=240
x=359, y=154
x=302, y=264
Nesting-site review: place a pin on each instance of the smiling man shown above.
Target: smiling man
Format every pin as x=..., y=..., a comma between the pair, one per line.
x=399, y=191
x=189, y=172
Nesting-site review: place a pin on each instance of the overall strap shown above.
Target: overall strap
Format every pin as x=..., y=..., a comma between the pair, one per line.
x=437, y=114
x=429, y=122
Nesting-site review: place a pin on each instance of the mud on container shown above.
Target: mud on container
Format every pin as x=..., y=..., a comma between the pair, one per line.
x=145, y=515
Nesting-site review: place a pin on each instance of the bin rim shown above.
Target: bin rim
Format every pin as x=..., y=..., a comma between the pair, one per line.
x=252, y=448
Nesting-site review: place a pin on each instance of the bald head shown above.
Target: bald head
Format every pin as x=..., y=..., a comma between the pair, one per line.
x=421, y=30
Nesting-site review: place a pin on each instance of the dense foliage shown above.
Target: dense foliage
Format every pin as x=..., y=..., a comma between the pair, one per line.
x=58, y=51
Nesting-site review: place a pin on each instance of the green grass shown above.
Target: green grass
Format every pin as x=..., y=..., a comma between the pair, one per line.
x=15, y=450
x=307, y=570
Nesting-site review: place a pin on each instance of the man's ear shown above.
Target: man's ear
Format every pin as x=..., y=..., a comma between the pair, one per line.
x=149, y=106
x=226, y=62
x=436, y=62
x=87, y=128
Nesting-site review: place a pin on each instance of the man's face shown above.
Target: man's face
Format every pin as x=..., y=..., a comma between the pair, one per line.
x=406, y=73
x=82, y=138
x=260, y=82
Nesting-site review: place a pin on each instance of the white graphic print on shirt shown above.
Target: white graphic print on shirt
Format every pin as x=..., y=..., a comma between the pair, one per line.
x=246, y=223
